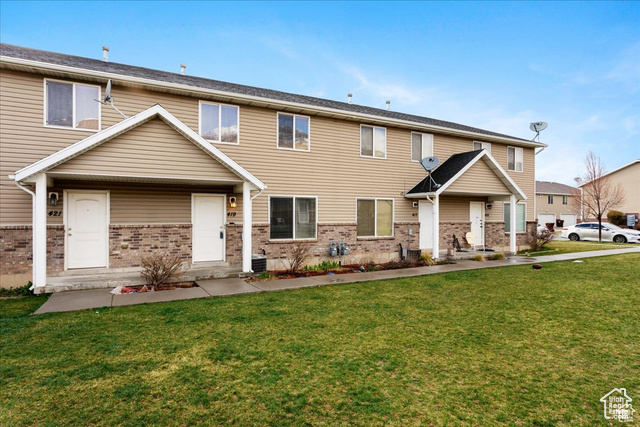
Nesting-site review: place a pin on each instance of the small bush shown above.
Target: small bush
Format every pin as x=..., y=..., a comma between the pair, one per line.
x=296, y=256
x=323, y=266
x=497, y=256
x=265, y=275
x=479, y=258
x=426, y=260
x=617, y=218
x=540, y=239
x=20, y=291
x=160, y=268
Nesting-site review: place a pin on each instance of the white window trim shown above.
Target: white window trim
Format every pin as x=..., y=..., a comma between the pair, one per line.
x=219, y=104
x=73, y=106
x=485, y=145
x=374, y=142
x=284, y=196
x=565, y=200
x=421, y=146
x=294, y=132
x=525, y=217
x=515, y=159
x=550, y=199
x=375, y=217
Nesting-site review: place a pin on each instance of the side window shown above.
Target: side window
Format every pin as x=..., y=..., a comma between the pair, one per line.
x=72, y=105
x=550, y=199
x=374, y=217
x=293, y=132
x=292, y=217
x=514, y=159
x=480, y=145
x=521, y=221
x=421, y=146
x=373, y=142
x=565, y=200
x=219, y=122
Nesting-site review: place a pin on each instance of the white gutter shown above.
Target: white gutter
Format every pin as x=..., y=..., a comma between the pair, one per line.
x=195, y=90
x=33, y=219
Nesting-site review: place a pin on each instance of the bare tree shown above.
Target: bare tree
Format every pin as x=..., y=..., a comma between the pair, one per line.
x=598, y=193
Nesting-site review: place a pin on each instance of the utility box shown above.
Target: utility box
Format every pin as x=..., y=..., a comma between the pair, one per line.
x=258, y=263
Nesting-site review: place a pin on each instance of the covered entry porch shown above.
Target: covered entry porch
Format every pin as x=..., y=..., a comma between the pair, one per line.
x=147, y=184
x=466, y=194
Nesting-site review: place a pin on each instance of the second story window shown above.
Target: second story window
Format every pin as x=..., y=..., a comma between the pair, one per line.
x=514, y=159
x=219, y=122
x=373, y=142
x=565, y=200
x=550, y=199
x=421, y=146
x=293, y=132
x=72, y=105
x=480, y=145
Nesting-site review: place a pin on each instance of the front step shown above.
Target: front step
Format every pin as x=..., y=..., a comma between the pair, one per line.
x=100, y=279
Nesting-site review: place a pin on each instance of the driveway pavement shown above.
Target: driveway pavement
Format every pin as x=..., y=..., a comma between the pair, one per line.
x=95, y=298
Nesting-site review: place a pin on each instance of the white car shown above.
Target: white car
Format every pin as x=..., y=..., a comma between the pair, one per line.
x=610, y=233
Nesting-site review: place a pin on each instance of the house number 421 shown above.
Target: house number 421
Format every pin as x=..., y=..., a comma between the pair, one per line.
x=55, y=213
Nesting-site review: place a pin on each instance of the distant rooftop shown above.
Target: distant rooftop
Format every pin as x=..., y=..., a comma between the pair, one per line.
x=81, y=63
x=546, y=187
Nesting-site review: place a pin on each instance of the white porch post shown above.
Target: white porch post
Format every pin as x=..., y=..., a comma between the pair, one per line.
x=40, y=232
x=512, y=223
x=247, y=221
x=436, y=227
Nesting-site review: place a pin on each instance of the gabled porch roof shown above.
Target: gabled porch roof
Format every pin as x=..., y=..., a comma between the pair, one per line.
x=444, y=178
x=28, y=173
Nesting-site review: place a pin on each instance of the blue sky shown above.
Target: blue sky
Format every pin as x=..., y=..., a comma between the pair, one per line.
x=494, y=65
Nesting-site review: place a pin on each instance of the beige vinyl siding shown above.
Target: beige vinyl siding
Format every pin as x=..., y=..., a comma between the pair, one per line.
x=543, y=206
x=629, y=180
x=153, y=149
x=133, y=203
x=479, y=178
x=333, y=170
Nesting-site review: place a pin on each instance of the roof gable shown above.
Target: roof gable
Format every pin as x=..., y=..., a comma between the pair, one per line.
x=455, y=167
x=151, y=150
x=127, y=125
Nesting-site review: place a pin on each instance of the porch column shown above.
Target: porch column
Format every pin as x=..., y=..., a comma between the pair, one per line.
x=40, y=232
x=512, y=223
x=247, y=221
x=436, y=227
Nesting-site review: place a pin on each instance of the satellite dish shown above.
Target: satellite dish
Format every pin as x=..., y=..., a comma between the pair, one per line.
x=429, y=163
x=538, y=126
x=107, y=93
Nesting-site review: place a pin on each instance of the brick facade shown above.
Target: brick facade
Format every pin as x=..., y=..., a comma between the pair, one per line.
x=128, y=243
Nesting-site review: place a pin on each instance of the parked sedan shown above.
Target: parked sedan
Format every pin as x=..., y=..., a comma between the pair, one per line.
x=610, y=233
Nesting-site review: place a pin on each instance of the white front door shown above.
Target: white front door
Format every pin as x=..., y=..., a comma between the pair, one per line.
x=208, y=217
x=87, y=229
x=476, y=216
x=425, y=216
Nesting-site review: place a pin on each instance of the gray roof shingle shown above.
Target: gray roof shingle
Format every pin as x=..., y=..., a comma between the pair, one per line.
x=546, y=187
x=203, y=83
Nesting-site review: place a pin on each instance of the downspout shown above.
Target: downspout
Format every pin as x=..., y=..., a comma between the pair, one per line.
x=538, y=152
x=257, y=194
x=33, y=214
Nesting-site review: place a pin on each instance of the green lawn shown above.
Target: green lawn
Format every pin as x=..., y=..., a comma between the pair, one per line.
x=556, y=247
x=512, y=346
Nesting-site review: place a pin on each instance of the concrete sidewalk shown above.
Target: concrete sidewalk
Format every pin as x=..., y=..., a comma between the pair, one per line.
x=95, y=298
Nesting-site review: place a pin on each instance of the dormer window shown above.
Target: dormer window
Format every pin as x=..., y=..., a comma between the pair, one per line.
x=72, y=105
x=219, y=122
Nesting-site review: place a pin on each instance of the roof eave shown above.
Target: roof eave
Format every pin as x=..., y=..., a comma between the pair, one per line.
x=274, y=102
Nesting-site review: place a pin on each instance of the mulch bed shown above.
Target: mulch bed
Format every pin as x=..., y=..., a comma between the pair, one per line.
x=166, y=287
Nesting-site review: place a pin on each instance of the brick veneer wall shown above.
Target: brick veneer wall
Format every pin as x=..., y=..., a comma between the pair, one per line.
x=361, y=249
x=17, y=253
x=129, y=243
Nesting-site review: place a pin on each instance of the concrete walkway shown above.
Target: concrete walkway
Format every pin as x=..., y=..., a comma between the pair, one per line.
x=95, y=298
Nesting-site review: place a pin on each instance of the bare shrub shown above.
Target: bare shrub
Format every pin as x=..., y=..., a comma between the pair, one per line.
x=540, y=239
x=159, y=268
x=296, y=256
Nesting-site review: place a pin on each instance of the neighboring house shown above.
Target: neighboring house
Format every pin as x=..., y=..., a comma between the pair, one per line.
x=555, y=201
x=628, y=177
x=215, y=171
